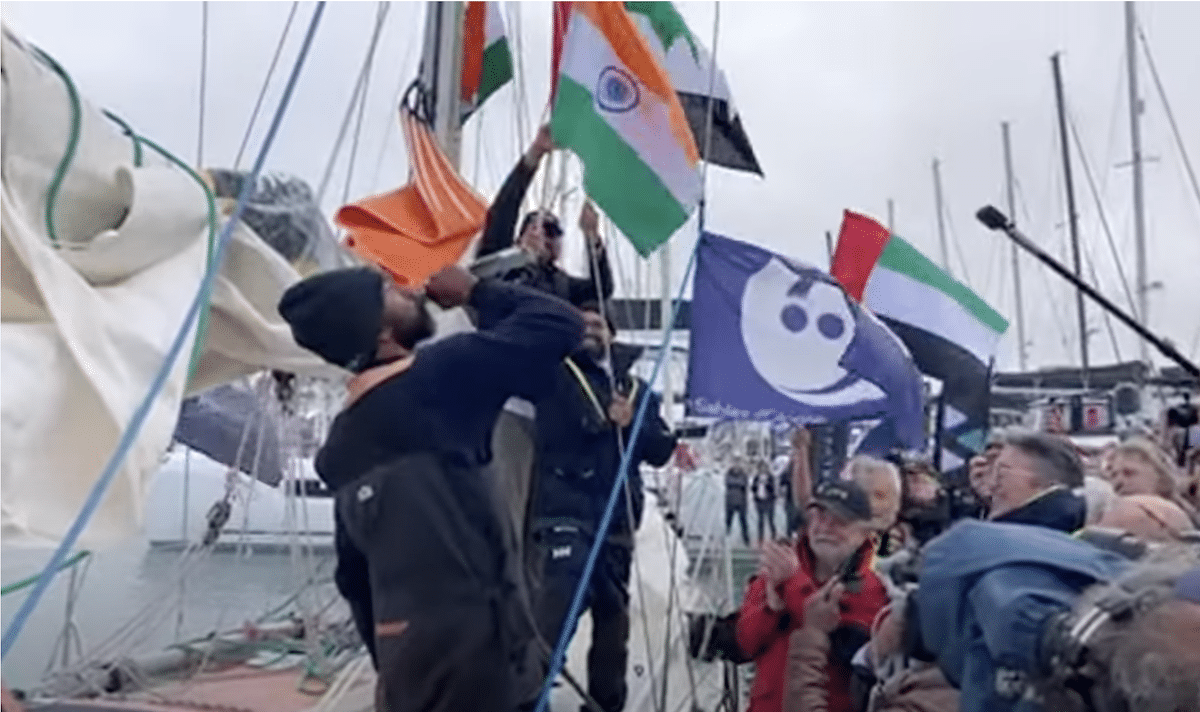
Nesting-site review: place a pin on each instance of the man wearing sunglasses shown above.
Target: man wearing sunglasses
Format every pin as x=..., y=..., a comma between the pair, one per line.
x=541, y=234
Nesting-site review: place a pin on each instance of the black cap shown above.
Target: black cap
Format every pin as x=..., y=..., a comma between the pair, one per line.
x=337, y=315
x=549, y=223
x=844, y=498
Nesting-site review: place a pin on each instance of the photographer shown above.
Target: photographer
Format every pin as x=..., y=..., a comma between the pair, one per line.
x=1028, y=619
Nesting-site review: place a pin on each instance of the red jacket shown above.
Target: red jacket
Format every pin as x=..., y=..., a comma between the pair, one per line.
x=763, y=633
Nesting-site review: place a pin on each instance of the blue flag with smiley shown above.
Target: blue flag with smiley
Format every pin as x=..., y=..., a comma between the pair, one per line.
x=773, y=339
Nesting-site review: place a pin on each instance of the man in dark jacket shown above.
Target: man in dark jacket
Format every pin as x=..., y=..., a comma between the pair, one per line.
x=737, y=485
x=541, y=236
x=582, y=425
x=421, y=558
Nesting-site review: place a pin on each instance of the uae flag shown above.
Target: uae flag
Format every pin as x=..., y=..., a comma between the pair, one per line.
x=615, y=108
x=950, y=331
x=487, y=61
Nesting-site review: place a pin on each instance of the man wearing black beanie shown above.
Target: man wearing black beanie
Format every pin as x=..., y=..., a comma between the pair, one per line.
x=421, y=555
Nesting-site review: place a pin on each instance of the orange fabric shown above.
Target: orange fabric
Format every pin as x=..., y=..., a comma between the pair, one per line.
x=422, y=227
x=365, y=381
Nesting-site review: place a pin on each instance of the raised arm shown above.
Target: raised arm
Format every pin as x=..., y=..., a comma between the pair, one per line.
x=523, y=335
x=599, y=271
x=501, y=223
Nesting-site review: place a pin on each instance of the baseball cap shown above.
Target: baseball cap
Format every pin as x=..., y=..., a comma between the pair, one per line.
x=843, y=498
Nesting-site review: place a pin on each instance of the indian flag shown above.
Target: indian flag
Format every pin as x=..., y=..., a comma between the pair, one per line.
x=951, y=332
x=615, y=107
x=487, y=62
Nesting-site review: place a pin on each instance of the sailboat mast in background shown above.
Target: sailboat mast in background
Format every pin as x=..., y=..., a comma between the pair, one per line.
x=1016, y=266
x=941, y=216
x=1135, y=136
x=1072, y=215
x=441, y=74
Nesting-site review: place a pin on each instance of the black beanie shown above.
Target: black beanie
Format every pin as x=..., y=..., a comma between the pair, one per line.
x=337, y=315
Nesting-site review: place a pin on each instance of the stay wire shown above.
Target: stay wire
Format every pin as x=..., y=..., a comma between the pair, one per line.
x=262, y=94
x=1087, y=172
x=1162, y=93
x=203, y=82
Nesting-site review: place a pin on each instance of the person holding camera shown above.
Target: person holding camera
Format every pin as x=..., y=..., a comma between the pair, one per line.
x=821, y=587
x=1026, y=619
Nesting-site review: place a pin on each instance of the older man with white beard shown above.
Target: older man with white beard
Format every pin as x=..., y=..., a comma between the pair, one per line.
x=822, y=584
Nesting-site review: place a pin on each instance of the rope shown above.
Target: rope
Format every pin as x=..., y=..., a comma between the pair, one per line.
x=359, y=86
x=262, y=94
x=30, y=580
x=1087, y=172
x=380, y=18
x=143, y=410
x=594, y=258
x=60, y=172
x=560, y=652
x=203, y=82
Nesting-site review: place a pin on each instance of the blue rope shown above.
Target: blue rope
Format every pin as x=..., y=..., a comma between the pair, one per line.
x=139, y=417
x=572, y=619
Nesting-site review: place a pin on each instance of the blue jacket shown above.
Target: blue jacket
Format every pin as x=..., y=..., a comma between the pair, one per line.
x=986, y=590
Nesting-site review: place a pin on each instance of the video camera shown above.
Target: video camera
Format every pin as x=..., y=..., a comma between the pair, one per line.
x=1184, y=415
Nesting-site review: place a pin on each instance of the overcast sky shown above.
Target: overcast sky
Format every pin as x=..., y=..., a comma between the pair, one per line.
x=847, y=105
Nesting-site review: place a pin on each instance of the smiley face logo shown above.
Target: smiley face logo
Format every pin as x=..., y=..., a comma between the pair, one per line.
x=796, y=328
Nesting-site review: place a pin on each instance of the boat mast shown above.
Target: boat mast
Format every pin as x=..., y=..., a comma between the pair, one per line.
x=941, y=219
x=1135, y=136
x=441, y=73
x=1016, y=267
x=1072, y=217
x=891, y=216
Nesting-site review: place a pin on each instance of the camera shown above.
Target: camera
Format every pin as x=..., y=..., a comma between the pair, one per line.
x=1183, y=416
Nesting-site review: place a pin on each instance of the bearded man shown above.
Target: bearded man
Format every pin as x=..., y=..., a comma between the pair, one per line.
x=420, y=545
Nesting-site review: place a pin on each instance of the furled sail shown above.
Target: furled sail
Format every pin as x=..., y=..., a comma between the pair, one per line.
x=94, y=290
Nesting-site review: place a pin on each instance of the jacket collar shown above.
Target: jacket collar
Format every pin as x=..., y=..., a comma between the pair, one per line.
x=362, y=383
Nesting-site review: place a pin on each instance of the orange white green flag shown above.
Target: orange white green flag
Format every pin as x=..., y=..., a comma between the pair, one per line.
x=615, y=108
x=487, y=61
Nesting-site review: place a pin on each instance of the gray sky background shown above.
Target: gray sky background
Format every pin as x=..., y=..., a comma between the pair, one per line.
x=846, y=104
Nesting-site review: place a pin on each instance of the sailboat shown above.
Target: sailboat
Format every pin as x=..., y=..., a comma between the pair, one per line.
x=102, y=249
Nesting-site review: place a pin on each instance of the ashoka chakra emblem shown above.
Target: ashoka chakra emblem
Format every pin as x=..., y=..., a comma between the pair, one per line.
x=617, y=90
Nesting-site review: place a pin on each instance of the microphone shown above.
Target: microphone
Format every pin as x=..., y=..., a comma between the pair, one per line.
x=992, y=218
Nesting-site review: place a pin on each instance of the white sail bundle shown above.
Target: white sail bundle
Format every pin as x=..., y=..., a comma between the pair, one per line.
x=89, y=314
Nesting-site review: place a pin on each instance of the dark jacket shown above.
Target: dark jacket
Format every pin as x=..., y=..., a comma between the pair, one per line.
x=429, y=428
x=736, y=486
x=1059, y=509
x=578, y=454
x=499, y=232
x=762, y=477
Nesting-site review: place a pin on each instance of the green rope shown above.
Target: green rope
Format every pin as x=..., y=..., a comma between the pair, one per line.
x=72, y=145
x=137, y=145
x=64, y=166
x=27, y=582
